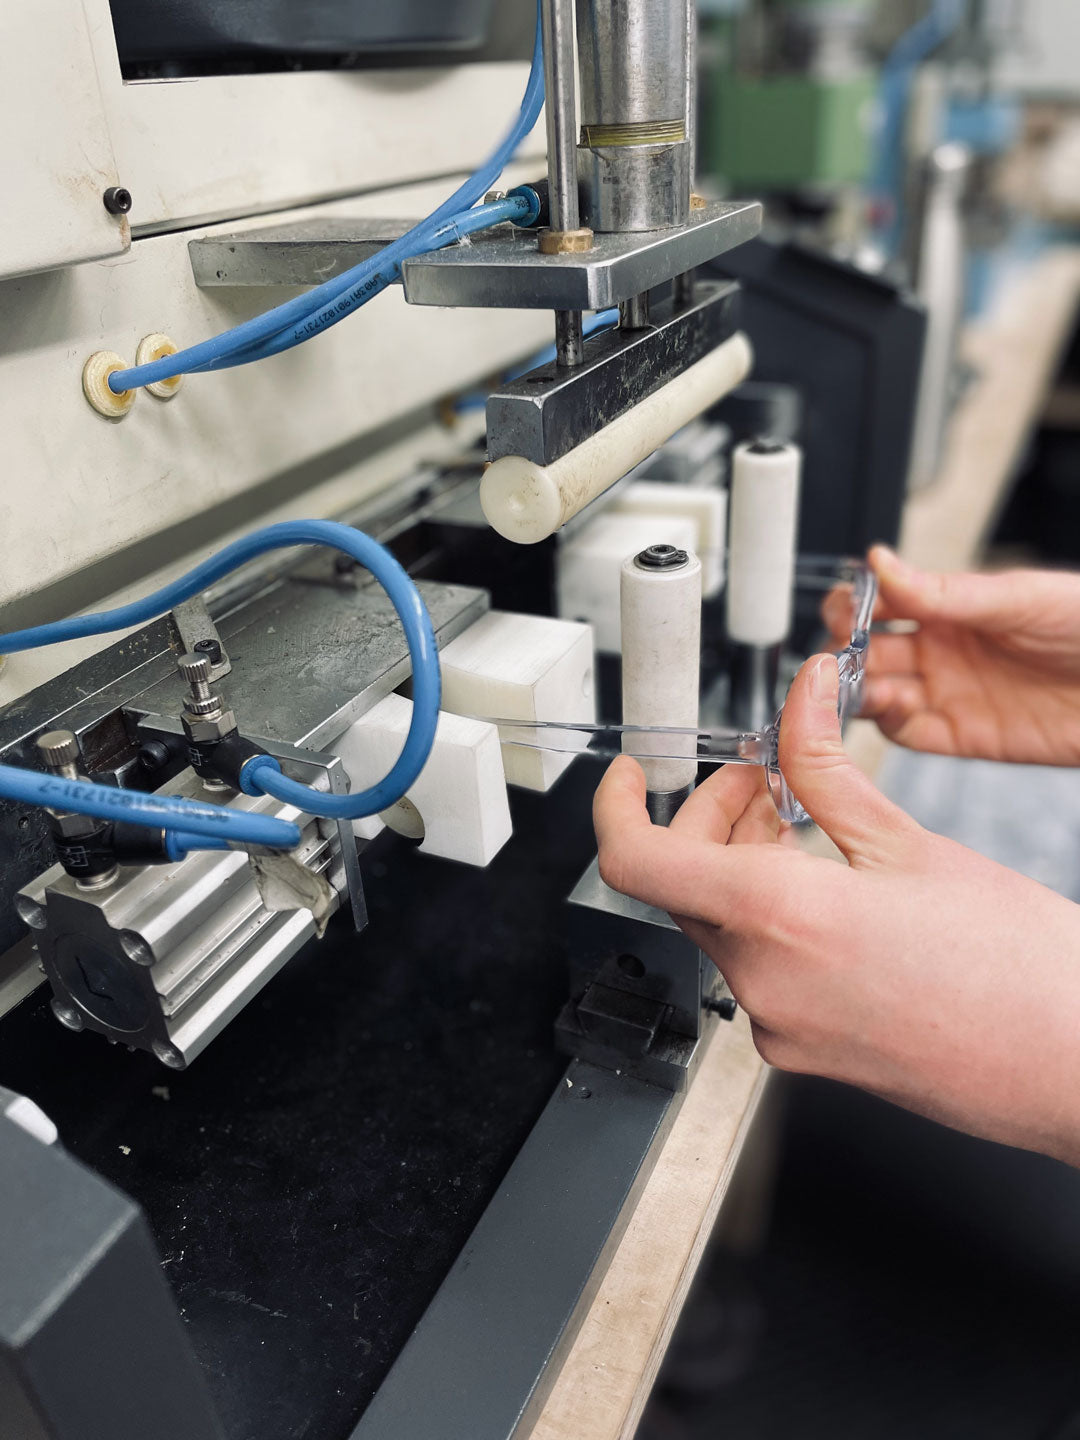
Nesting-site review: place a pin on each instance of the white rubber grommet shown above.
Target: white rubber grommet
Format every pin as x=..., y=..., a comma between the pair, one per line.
x=95, y=384
x=156, y=347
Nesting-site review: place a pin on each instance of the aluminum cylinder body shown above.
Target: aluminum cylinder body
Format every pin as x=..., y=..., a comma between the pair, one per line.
x=635, y=158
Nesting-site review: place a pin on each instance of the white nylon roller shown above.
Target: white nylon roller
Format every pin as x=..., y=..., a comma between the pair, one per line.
x=661, y=662
x=762, y=526
x=526, y=502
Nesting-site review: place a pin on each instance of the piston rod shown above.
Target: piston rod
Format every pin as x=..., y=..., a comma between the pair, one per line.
x=560, y=108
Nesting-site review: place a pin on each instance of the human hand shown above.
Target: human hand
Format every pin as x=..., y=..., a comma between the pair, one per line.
x=991, y=671
x=919, y=971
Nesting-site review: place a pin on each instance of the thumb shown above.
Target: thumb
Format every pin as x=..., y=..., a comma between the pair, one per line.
x=959, y=599
x=867, y=828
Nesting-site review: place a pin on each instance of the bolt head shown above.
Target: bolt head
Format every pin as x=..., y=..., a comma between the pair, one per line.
x=117, y=200
x=211, y=649
x=662, y=557
x=31, y=912
x=58, y=748
x=135, y=948
x=67, y=1014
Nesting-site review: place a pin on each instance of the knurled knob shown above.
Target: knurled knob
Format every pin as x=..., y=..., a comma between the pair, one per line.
x=195, y=668
x=58, y=748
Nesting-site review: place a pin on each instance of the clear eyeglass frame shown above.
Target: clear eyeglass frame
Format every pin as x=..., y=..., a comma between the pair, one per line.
x=719, y=746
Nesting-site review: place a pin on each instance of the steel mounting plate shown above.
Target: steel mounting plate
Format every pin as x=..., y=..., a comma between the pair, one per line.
x=505, y=269
x=301, y=252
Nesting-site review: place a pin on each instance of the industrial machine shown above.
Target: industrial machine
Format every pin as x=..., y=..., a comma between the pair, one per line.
x=282, y=622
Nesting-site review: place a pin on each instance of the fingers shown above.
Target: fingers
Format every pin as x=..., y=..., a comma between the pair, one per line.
x=900, y=705
x=838, y=615
x=760, y=822
x=893, y=655
x=716, y=806
x=730, y=885
x=988, y=601
x=868, y=828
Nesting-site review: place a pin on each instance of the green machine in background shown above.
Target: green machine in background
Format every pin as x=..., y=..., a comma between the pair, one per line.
x=787, y=94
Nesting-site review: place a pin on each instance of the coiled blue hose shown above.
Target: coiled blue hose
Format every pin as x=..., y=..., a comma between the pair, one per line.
x=262, y=775
x=357, y=285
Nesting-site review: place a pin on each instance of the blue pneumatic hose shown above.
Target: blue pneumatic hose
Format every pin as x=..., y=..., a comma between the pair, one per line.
x=379, y=273
x=262, y=775
x=266, y=327
x=197, y=822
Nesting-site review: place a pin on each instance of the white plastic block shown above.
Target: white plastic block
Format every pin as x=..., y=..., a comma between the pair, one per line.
x=522, y=667
x=590, y=566
x=459, y=801
x=707, y=509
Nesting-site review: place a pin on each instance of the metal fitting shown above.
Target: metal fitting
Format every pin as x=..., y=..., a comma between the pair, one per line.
x=661, y=557
x=201, y=703
x=60, y=753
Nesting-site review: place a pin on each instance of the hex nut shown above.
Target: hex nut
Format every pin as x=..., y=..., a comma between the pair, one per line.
x=565, y=242
x=66, y=826
x=201, y=731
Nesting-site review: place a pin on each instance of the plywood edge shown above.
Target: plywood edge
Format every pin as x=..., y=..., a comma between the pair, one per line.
x=605, y=1381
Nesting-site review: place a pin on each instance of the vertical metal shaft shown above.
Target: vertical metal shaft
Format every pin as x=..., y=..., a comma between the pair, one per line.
x=691, y=87
x=560, y=109
x=634, y=313
x=569, y=337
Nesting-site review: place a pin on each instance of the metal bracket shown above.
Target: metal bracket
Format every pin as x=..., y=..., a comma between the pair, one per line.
x=502, y=268
x=644, y=996
x=193, y=625
x=508, y=271
x=305, y=252
x=552, y=409
x=328, y=768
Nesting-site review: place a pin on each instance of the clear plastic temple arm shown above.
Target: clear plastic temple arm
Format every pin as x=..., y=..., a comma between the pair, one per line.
x=721, y=747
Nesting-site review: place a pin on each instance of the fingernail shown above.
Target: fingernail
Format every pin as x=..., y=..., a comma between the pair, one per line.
x=825, y=680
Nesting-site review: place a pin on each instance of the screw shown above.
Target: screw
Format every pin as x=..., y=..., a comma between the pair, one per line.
x=210, y=648
x=135, y=948
x=59, y=749
x=662, y=557
x=117, y=200
x=30, y=912
x=726, y=1007
x=153, y=755
x=67, y=1015
x=168, y=1055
